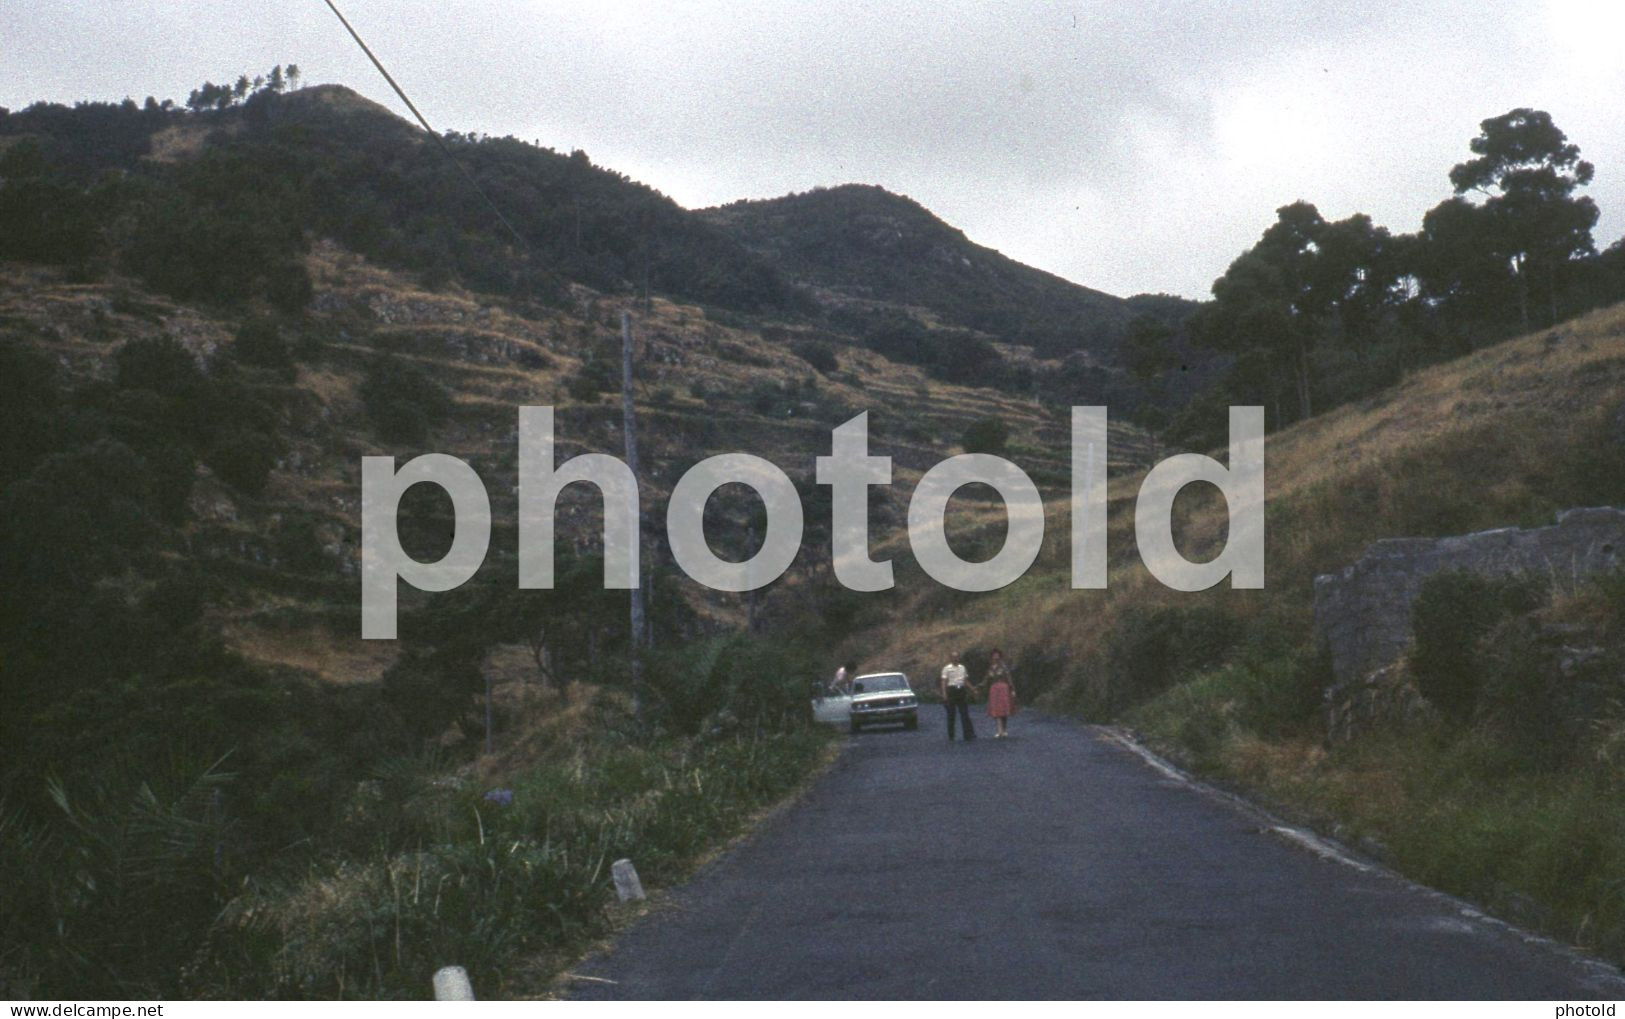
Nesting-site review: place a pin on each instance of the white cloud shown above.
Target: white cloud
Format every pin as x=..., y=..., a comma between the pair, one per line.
x=1129, y=149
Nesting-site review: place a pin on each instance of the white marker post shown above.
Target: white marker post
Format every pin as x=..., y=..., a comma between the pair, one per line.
x=451, y=984
x=627, y=885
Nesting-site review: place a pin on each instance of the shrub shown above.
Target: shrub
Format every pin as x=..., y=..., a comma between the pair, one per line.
x=595, y=377
x=1281, y=696
x=1517, y=695
x=818, y=354
x=259, y=344
x=161, y=365
x=1152, y=649
x=986, y=435
x=402, y=402
x=1453, y=612
x=492, y=885
x=244, y=459
x=732, y=680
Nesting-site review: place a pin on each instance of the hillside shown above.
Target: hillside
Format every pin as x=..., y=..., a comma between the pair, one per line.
x=704, y=388
x=862, y=266
x=857, y=245
x=1519, y=810
x=1507, y=435
x=209, y=317
x=186, y=411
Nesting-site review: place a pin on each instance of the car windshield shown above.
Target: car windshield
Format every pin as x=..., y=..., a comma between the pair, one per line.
x=878, y=684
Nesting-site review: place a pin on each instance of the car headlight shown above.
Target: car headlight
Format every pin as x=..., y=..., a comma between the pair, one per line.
x=909, y=702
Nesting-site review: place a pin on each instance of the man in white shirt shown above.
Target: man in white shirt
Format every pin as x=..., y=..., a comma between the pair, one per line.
x=955, y=687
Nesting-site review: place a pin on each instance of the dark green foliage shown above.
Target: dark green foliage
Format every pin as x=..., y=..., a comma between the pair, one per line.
x=259, y=343
x=224, y=229
x=29, y=402
x=433, y=690
x=161, y=365
x=866, y=241
x=986, y=435
x=76, y=516
x=952, y=355
x=243, y=459
x=1281, y=684
x=1520, y=692
x=87, y=138
x=732, y=682
x=1532, y=222
x=817, y=353
x=772, y=399
x=595, y=377
x=402, y=402
x=108, y=891
x=1319, y=312
x=1156, y=648
x=441, y=873
x=1452, y=614
x=44, y=216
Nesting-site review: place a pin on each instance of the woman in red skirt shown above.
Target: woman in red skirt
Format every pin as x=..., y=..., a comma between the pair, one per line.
x=1001, y=693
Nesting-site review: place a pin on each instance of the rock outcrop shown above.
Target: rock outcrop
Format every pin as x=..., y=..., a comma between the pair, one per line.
x=1363, y=612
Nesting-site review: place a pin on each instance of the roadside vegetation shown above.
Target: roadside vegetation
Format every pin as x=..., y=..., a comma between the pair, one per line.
x=1502, y=791
x=211, y=313
x=1510, y=796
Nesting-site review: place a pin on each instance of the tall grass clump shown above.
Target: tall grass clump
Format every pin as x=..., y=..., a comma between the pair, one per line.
x=496, y=882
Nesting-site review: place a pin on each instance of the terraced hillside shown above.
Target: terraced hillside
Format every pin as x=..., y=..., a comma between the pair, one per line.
x=703, y=387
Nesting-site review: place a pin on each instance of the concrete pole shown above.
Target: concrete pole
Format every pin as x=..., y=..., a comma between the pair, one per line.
x=629, y=429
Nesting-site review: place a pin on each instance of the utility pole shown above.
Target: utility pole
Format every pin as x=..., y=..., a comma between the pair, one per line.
x=629, y=429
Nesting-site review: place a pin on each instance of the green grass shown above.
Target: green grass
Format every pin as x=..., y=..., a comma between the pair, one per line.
x=422, y=872
x=501, y=890
x=1458, y=808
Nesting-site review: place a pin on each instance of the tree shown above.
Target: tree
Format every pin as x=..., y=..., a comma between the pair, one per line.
x=293, y=76
x=1148, y=350
x=209, y=96
x=402, y=401
x=259, y=343
x=161, y=364
x=1529, y=170
x=1305, y=281
x=1456, y=261
x=1149, y=355
x=986, y=435
x=275, y=82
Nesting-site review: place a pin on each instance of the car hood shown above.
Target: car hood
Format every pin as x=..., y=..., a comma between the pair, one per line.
x=881, y=695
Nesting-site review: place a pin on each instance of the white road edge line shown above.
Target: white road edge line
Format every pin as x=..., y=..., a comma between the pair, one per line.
x=1597, y=969
x=1158, y=764
x=1319, y=846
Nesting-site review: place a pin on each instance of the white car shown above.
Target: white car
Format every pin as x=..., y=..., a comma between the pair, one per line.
x=878, y=698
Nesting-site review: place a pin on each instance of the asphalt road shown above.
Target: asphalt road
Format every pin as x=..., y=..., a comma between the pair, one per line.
x=1054, y=864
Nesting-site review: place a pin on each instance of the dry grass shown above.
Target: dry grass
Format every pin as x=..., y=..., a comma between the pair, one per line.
x=487, y=353
x=1482, y=441
x=314, y=649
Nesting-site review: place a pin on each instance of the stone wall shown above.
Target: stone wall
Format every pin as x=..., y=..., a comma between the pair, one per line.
x=1363, y=612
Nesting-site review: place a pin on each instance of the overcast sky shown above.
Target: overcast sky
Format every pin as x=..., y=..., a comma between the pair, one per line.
x=1130, y=147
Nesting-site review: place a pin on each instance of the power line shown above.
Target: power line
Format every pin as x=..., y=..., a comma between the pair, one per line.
x=444, y=148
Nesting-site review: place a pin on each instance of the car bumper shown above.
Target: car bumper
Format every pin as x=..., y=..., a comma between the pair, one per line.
x=881, y=716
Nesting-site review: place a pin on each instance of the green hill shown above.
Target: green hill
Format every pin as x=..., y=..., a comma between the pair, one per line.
x=859, y=245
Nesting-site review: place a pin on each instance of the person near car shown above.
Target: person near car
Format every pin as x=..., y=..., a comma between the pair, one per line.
x=955, y=687
x=1001, y=693
x=844, y=677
